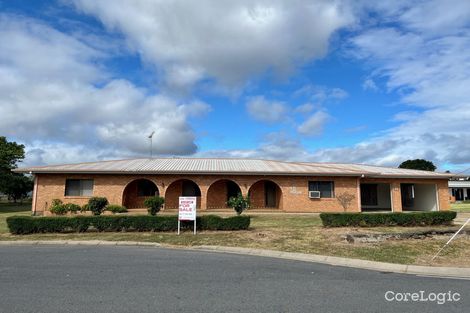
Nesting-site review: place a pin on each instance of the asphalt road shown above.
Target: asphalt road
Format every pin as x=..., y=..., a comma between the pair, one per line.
x=143, y=279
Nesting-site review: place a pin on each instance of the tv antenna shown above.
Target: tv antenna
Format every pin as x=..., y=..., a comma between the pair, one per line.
x=151, y=139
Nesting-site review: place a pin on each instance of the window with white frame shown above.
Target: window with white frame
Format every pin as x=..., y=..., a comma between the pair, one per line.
x=79, y=187
x=326, y=188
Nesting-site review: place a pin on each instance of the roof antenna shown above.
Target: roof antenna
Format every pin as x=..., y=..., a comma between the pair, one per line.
x=151, y=139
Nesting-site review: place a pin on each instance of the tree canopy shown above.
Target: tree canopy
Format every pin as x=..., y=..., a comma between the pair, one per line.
x=10, y=154
x=15, y=186
x=418, y=164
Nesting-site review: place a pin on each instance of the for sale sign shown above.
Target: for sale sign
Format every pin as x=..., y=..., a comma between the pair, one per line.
x=187, y=209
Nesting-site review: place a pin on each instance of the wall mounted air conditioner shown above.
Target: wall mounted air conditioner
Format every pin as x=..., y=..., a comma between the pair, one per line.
x=314, y=194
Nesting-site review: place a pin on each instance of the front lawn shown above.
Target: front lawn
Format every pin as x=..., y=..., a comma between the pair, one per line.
x=460, y=207
x=288, y=232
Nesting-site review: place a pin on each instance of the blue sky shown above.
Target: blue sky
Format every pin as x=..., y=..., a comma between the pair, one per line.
x=333, y=81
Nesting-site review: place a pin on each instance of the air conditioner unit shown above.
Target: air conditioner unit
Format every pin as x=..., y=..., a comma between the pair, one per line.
x=314, y=194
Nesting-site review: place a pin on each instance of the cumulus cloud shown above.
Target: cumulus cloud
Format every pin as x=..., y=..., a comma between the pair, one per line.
x=229, y=41
x=53, y=97
x=264, y=110
x=423, y=58
x=274, y=146
x=313, y=126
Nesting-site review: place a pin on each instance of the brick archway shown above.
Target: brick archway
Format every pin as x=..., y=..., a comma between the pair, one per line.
x=219, y=192
x=181, y=188
x=137, y=191
x=265, y=194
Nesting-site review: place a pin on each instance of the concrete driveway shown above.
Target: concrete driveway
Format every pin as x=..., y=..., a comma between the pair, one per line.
x=144, y=279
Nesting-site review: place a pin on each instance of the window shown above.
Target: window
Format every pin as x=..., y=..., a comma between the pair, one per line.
x=79, y=187
x=326, y=188
x=369, y=194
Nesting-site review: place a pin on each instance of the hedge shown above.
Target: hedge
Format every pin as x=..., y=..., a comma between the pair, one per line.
x=387, y=219
x=59, y=224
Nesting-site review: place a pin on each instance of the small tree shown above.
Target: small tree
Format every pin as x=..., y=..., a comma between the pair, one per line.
x=154, y=204
x=345, y=199
x=97, y=204
x=239, y=203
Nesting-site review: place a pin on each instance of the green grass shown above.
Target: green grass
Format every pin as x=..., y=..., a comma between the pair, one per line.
x=10, y=209
x=282, y=232
x=460, y=207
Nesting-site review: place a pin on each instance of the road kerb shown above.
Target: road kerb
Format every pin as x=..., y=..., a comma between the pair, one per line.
x=330, y=260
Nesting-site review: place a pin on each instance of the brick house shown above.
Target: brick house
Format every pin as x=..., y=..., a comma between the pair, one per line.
x=271, y=185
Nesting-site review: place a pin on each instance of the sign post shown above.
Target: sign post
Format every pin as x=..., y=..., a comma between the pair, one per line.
x=187, y=211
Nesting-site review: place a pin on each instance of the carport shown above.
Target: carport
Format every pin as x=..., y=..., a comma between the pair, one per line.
x=419, y=197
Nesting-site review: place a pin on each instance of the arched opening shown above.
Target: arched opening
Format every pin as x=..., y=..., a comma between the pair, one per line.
x=137, y=191
x=219, y=193
x=265, y=194
x=181, y=188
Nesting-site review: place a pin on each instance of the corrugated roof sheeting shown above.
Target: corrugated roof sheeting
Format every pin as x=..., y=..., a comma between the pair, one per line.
x=233, y=166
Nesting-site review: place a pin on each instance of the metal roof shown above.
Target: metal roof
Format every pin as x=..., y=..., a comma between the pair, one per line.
x=459, y=183
x=229, y=166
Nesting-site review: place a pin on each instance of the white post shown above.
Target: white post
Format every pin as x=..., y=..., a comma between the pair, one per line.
x=194, y=226
x=178, y=225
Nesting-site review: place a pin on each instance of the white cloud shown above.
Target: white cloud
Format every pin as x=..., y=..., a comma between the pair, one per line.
x=50, y=99
x=320, y=94
x=230, y=41
x=275, y=146
x=267, y=111
x=369, y=84
x=424, y=59
x=304, y=108
x=313, y=126
x=421, y=52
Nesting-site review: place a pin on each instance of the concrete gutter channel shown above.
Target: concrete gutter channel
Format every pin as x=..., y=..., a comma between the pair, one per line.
x=453, y=272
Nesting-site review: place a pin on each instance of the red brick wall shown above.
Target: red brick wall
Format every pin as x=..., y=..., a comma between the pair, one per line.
x=292, y=198
x=217, y=195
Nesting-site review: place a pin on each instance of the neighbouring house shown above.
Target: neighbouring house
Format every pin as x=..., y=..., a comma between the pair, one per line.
x=459, y=189
x=270, y=185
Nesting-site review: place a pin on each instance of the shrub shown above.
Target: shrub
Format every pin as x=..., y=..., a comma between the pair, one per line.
x=58, y=224
x=387, y=219
x=56, y=202
x=97, y=204
x=58, y=208
x=154, y=204
x=71, y=207
x=239, y=203
x=84, y=208
x=51, y=224
x=114, y=208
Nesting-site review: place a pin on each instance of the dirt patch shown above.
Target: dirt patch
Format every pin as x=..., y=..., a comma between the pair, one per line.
x=376, y=237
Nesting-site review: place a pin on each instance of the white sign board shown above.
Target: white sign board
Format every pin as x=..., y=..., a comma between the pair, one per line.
x=187, y=209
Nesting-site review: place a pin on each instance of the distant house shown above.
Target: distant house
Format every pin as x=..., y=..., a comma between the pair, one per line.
x=270, y=185
x=459, y=189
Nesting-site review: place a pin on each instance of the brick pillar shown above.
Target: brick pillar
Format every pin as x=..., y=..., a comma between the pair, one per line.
x=396, y=197
x=204, y=190
x=358, y=195
x=244, y=189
